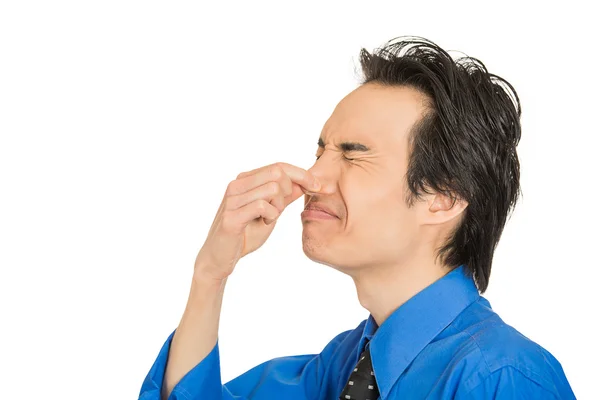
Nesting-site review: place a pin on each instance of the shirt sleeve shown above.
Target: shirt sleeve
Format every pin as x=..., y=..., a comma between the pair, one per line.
x=511, y=383
x=288, y=377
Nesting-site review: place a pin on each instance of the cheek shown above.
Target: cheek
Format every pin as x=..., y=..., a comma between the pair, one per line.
x=376, y=209
x=372, y=201
x=378, y=230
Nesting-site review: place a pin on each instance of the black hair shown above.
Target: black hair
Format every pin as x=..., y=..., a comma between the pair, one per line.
x=464, y=145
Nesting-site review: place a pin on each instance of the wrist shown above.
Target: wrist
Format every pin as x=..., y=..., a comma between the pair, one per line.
x=202, y=279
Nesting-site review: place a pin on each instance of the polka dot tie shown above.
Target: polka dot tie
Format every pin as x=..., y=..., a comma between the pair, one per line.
x=361, y=384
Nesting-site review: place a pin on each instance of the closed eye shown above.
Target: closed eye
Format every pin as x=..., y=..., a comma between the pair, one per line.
x=345, y=158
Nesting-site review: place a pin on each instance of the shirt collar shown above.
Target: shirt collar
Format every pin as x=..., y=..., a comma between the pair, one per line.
x=415, y=324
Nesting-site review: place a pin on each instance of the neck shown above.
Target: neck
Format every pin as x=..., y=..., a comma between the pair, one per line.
x=381, y=290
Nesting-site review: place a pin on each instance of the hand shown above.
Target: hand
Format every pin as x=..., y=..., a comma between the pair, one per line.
x=247, y=215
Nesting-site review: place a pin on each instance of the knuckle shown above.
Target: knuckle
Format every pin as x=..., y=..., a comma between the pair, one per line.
x=230, y=187
x=262, y=205
x=276, y=171
x=274, y=188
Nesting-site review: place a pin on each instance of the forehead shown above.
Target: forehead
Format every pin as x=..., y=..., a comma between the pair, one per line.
x=375, y=115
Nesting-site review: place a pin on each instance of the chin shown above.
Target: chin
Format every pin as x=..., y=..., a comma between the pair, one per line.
x=313, y=248
x=318, y=252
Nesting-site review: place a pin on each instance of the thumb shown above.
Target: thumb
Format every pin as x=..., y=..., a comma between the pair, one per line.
x=297, y=192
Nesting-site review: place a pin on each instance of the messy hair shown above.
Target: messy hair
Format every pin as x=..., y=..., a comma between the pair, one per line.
x=464, y=146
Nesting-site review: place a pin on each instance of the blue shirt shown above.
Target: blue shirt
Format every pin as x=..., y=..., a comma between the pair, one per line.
x=443, y=343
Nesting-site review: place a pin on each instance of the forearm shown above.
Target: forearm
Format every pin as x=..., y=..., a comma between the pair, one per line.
x=197, y=332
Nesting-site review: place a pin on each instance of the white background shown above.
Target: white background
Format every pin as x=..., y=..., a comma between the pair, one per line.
x=122, y=122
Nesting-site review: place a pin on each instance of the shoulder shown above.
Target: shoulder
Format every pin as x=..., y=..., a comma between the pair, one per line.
x=506, y=359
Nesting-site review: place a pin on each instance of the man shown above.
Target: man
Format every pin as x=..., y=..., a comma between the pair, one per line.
x=416, y=173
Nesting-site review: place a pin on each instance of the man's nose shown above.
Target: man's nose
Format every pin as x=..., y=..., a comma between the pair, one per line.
x=325, y=173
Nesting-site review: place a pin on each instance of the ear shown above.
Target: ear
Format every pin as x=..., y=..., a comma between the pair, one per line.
x=442, y=208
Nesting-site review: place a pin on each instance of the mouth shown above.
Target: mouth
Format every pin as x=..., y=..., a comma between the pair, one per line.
x=316, y=214
x=318, y=211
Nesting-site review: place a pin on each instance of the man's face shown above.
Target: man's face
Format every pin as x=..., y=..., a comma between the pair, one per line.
x=375, y=227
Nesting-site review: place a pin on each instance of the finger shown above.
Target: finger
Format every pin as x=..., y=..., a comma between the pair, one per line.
x=270, y=191
x=257, y=209
x=263, y=175
x=301, y=176
x=247, y=173
x=297, y=192
x=269, y=221
x=278, y=171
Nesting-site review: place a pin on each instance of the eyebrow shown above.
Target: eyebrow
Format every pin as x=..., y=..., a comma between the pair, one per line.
x=347, y=146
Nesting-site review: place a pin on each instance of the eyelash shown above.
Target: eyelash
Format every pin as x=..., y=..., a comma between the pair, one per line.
x=345, y=158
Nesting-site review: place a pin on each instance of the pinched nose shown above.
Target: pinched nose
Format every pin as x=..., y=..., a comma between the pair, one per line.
x=325, y=176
